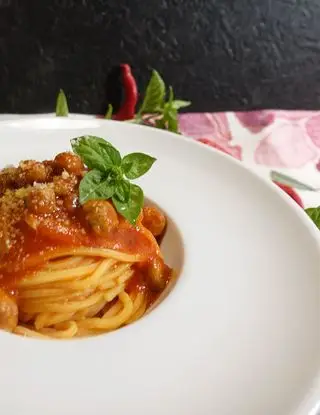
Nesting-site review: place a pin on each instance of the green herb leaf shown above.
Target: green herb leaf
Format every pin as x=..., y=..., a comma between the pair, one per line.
x=96, y=185
x=314, y=214
x=109, y=113
x=62, y=109
x=171, y=118
x=171, y=95
x=123, y=190
x=96, y=152
x=289, y=181
x=135, y=165
x=170, y=114
x=178, y=103
x=132, y=208
x=155, y=93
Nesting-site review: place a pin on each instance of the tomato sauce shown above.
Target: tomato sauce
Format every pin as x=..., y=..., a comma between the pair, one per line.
x=37, y=220
x=62, y=230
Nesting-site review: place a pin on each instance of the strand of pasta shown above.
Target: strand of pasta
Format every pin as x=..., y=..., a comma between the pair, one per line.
x=92, y=252
x=27, y=332
x=50, y=319
x=139, y=307
x=113, y=322
x=68, y=262
x=43, y=277
x=65, y=330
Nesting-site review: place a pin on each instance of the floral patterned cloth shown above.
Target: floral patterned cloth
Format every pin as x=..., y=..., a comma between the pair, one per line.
x=286, y=141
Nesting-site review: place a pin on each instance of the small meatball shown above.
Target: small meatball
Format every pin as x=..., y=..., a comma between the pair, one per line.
x=69, y=162
x=71, y=202
x=50, y=166
x=154, y=220
x=31, y=171
x=8, y=312
x=64, y=184
x=155, y=275
x=41, y=200
x=7, y=179
x=101, y=216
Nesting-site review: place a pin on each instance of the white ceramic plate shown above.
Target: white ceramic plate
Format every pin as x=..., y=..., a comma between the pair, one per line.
x=239, y=333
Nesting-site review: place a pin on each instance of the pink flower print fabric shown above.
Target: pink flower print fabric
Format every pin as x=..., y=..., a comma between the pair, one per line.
x=284, y=139
x=285, y=146
x=210, y=129
x=273, y=139
x=255, y=121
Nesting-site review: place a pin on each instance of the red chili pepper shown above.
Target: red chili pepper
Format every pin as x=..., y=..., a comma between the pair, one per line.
x=127, y=110
x=292, y=193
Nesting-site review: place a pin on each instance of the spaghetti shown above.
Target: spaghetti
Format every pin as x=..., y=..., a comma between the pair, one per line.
x=68, y=270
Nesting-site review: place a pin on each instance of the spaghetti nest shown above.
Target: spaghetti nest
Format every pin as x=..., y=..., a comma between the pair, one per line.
x=81, y=294
x=70, y=268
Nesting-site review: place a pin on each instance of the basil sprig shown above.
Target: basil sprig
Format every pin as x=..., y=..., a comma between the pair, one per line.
x=154, y=103
x=62, y=109
x=110, y=174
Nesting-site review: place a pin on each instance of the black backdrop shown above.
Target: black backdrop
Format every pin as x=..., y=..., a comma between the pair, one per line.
x=220, y=54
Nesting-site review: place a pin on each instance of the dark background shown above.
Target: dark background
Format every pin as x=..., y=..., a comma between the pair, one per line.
x=220, y=54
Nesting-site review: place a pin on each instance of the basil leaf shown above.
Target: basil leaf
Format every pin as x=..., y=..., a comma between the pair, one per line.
x=171, y=117
x=96, y=185
x=314, y=214
x=171, y=96
x=62, y=109
x=132, y=208
x=96, y=152
x=135, y=165
x=289, y=181
x=178, y=103
x=154, y=97
x=122, y=191
x=109, y=112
